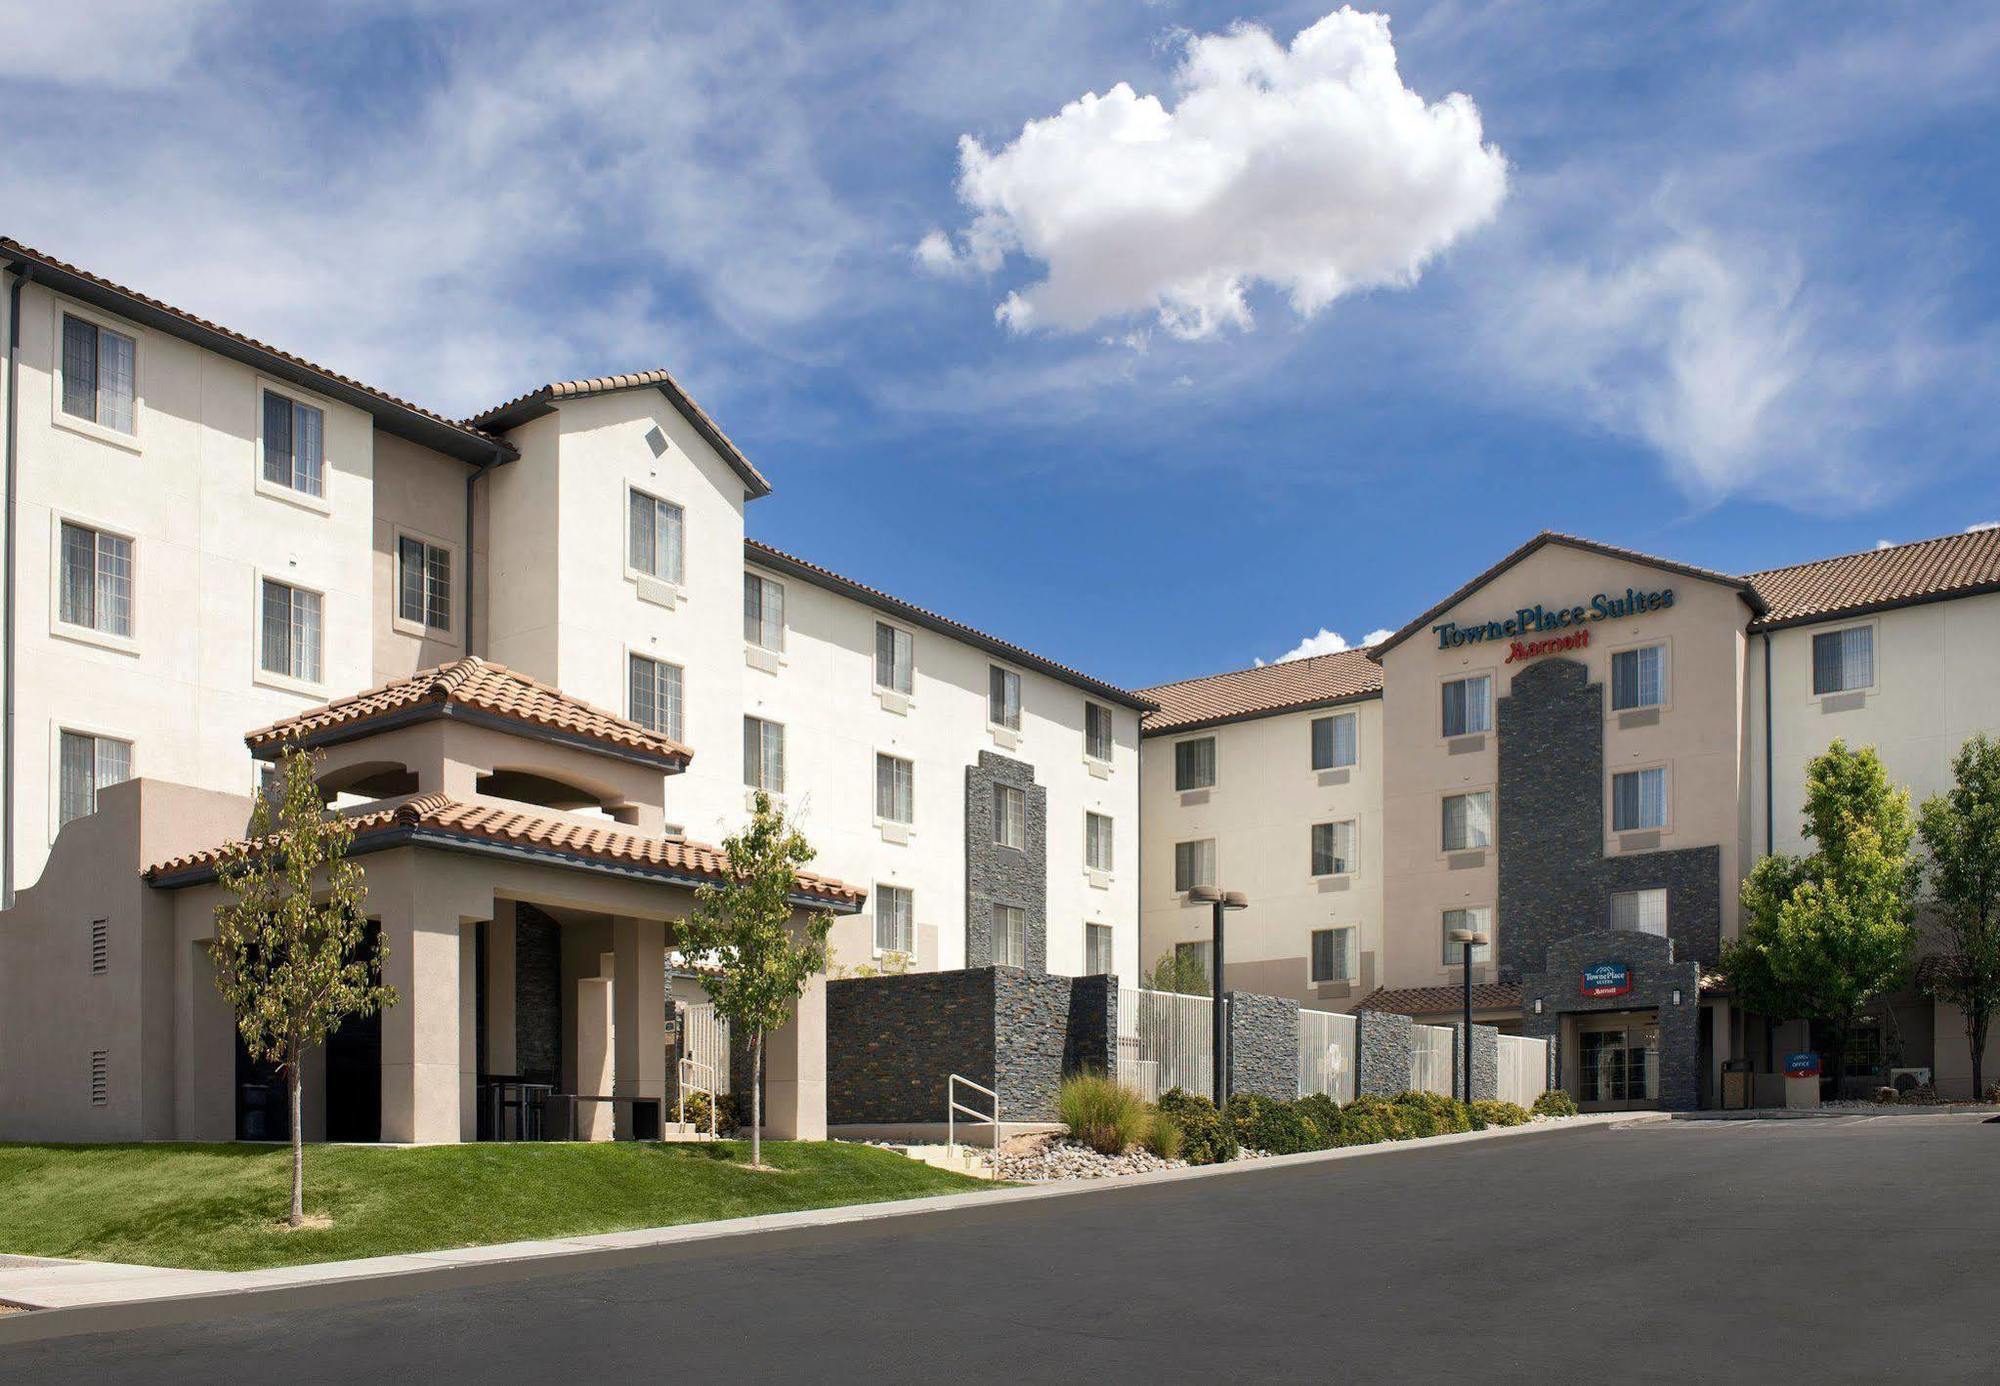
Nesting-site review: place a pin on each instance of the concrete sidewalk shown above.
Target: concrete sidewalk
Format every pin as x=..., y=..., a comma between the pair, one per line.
x=48, y=1284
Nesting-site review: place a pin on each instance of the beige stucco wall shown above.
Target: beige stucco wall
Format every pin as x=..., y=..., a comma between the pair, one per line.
x=421, y=494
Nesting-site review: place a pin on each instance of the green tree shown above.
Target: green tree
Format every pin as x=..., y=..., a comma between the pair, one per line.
x=1961, y=830
x=1177, y=971
x=744, y=926
x=287, y=946
x=1825, y=933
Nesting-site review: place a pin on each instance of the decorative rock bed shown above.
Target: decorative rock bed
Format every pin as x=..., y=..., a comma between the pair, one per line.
x=1060, y=1159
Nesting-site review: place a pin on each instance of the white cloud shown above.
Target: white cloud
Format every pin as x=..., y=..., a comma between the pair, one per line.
x=1312, y=169
x=116, y=43
x=1327, y=642
x=1881, y=544
x=1983, y=524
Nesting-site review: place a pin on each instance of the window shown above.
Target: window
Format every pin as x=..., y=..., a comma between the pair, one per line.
x=763, y=612
x=1333, y=741
x=655, y=547
x=1468, y=821
x=893, y=665
x=656, y=696
x=1010, y=936
x=423, y=583
x=294, y=444
x=1097, y=951
x=1194, y=864
x=1097, y=731
x=763, y=755
x=1843, y=660
x=1194, y=764
x=1330, y=960
x=98, y=375
x=1479, y=921
x=89, y=764
x=1097, y=841
x=1200, y=955
x=1639, y=799
x=291, y=636
x=96, y=580
x=895, y=789
x=1010, y=816
x=1639, y=678
x=1003, y=697
x=895, y=920
x=100, y=947
x=1468, y=705
x=1641, y=911
x=1333, y=848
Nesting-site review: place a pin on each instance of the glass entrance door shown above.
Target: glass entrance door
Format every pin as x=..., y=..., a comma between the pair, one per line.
x=1618, y=1067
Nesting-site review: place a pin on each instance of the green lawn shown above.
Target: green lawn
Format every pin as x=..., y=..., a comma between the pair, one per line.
x=218, y=1207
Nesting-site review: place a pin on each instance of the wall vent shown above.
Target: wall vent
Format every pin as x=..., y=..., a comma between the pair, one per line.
x=100, y=1082
x=100, y=947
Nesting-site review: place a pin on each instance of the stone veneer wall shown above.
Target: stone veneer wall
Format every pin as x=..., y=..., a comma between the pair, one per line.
x=1031, y=1041
x=1093, y=1025
x=1263, y=1045
x=1485, y=1061
x=538, y=999
x=1656, y=973
x=996, y=875
x=1383, y=1066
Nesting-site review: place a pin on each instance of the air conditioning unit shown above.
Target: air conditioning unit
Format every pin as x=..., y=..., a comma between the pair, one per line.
x=1906, y=1079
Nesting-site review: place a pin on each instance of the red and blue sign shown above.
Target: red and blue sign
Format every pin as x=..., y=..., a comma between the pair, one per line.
x=1802, y=1066
x=1606, y=979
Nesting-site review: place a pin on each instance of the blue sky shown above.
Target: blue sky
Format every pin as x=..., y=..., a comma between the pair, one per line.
x=1280, y=338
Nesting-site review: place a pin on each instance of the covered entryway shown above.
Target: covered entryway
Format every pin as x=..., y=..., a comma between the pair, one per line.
x=1617, y=1061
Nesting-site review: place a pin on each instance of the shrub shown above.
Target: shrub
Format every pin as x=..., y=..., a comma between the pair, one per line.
x=1555, y=1103
x=1490, y=1113
x=1367, y=1120
x=1432, y=1113
x=1206, y=1139
x=1271, y=1124
x=1104, y=1116
x=1324, y=1113
x=1242, y=1113
x=1163, y=1136
x=695, y=1113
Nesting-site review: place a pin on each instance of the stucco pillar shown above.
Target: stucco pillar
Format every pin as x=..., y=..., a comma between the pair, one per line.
x=795, y=1071
x=421, y=1064
x=205, y=1047
x=593, y=1057
x=500, y=1051
x=468, y=1031
x=639, y=1019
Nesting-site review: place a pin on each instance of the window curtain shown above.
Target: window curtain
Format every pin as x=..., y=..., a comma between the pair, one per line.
x=78, y=795
x=79, y=368
x=79, y=576
x=277, y=439
x=410, y=558
x=116, y=382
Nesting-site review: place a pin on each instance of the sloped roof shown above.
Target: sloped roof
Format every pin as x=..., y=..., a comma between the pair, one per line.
x=538, y=402
x=485, y=691
x=1955, y=565
x=467, y=442
x=1291, y=686
x=438, y=820
x=1486, y=996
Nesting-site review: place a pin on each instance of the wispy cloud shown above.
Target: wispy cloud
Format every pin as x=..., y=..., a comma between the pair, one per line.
x=1326, y=642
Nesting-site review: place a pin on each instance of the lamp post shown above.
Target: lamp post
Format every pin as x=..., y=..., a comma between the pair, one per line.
x=1471, y=939
x=1219, y=901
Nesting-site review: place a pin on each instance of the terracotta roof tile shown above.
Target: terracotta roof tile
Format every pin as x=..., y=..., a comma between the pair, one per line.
x=440, y=820
x=1267, y=689
x=1486, y=996
x=471, y=683
x=1954, y=565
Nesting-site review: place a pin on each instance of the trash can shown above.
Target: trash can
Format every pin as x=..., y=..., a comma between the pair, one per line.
x=1801, y=1081
x=1739, y=1085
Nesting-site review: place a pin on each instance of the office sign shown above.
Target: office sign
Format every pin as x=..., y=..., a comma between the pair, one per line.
x=1802, y=1066
x=1605, y=979
x=1540, y=619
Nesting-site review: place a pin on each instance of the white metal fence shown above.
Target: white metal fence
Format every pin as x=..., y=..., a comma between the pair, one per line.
x=705, y=1040
x=1524, y=1069
x=1164, y=1042
x=1327, y=1054
x=1430, y=1059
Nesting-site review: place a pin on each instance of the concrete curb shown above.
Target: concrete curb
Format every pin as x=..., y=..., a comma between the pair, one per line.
x=71, y=1297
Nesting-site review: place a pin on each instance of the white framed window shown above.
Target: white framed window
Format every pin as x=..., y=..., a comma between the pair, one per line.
x=94, y=589
x=423, y=584
x=294, y=444
x=292, y=632
x=655, y=697
x=1097, y=736
x=764, y=612
x=1468, y=821
x=1640, y=911
x=656, y=534
x=1480, y=921
x=1843, y=660
x=1333, y=848
x=88, y=763
x=1010, y=936
x=1639, y=799
x=1333, y=954
x=1194, y=864
x=1097, y=841
x=1098, y=960
x=1194, y=764
x=1334, y=744
x=895, y=789
x=1468, y=705
x=1639, y=678
x=1010, y=817
x=764, y=755
x=100, y=374
x=1003, y=697
x=895, y=920
x=895, y=668
x=1202, y=951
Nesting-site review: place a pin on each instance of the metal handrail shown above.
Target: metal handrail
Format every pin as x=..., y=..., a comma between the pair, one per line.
x=687, y=1069
x=953, y=1107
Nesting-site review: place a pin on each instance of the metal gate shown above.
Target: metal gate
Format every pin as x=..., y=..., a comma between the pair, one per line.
x=1524, y=1069
x=1164, y=1042
x=1430, y=1059
x=1327, y=1051
x=705, y=1039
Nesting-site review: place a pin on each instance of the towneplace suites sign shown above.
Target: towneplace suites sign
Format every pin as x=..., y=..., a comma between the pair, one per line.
x=1605, y=979
x=1566, y=626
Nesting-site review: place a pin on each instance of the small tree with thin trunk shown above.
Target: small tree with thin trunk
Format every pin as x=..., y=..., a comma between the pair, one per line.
x=1178, y=970
x=288, y=940
x=1961, y=830
x=744, y=925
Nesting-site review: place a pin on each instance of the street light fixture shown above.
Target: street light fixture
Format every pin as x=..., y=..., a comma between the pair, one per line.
x=1471, y=939
x=1219, y=901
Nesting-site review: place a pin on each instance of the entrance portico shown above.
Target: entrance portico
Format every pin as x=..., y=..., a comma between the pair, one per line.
x=1624, y=1017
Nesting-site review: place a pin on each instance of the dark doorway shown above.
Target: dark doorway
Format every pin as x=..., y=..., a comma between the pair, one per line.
x=263, y=1102
x=354, y=1069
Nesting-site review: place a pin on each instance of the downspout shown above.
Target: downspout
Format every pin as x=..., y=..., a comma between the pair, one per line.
x=1770, y=759
x=23, y=272
x=470, y=532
